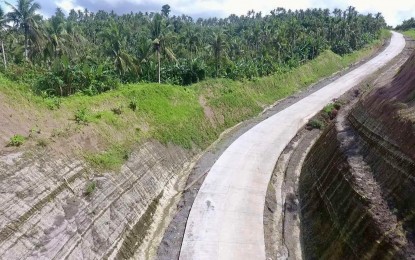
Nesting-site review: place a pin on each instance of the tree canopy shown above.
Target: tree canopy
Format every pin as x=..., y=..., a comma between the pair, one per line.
x=90, y=52
x=406, y=25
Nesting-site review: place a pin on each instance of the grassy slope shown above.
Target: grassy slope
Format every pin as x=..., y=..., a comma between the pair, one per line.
x=171, y=114
x=410, y=33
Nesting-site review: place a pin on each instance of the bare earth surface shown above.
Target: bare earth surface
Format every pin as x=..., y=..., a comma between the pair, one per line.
x=226, y=220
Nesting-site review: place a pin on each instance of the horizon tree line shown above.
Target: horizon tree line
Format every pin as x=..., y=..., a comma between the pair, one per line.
x=90, y=52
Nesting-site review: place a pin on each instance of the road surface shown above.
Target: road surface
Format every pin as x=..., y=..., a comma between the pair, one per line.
x=226, y=219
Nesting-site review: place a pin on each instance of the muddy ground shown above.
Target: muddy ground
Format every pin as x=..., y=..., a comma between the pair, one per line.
x=171, y=243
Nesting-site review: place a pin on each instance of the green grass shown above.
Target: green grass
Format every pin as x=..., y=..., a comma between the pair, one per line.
x=17, y=140
x=315, y=124
x=111, y=159
x=82, y=116
x=330, y=107
x=410, y=33
x=172, y=114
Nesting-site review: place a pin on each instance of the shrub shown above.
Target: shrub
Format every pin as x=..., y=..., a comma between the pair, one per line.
x=90, y=188
x=184, y=72
x=337, y=106
x=133, y=105
x=328, y=108
x=23, y=72
x=331, y=110
x=16, y=140
x=81, y=116
x=117, y=110
x=315, y=124
x=66, y=79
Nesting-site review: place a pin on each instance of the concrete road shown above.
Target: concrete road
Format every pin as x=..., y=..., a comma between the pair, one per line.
x=226, y=220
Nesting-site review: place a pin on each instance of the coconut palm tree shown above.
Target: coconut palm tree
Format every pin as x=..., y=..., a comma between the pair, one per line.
x=55, y=33
x=218, y=47
x=25, y=18
x=123, y=62
x=3, y=25
x=160, y=37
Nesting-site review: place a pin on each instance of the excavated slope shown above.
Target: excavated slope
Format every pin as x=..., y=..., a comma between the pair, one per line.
x=357, y=186
x=45, y=213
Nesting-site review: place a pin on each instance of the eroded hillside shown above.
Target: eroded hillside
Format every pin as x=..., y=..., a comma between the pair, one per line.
x=357, y=184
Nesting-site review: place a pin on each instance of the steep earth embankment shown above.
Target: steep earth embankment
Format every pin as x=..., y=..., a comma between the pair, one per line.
x=357, y=185
x=45, y=212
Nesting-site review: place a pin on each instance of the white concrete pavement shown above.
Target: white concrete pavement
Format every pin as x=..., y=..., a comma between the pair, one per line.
x=226, y=220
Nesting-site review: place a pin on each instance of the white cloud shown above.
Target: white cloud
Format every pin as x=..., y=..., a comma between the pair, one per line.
x=67, y=5
x=393, y=11
x=238, y=7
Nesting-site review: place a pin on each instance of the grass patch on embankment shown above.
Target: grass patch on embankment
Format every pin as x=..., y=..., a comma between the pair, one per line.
x=237, y=101
x=111, y=159
x=410, y=33
x=172, y=114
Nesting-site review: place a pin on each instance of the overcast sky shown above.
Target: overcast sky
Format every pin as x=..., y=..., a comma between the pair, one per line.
x=394, y=11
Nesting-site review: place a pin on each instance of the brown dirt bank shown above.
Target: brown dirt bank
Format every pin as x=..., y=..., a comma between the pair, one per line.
x=357, y=186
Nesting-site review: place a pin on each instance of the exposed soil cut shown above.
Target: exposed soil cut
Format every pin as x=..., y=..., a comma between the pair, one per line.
x=348, y=207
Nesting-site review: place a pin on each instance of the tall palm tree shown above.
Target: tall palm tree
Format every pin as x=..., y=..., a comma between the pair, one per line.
x=56, y=33
x=24, y=17
x=159, y=42
x=3, y=25
x=123, y=62
x=218, y=46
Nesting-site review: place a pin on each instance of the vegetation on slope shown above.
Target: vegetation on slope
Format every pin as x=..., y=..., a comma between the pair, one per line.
x=170, y=114
x=410, y=33
x=89, y=79
x=407, y=27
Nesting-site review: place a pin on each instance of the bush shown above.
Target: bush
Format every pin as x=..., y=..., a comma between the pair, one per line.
x=133, y=105
x=17, y=140
x=24, y=72
x=315, y=124
x=184, y=72
x=81, y=116
x=117, y=110
x=331, y=110
x=90, y=188
x=66, y=79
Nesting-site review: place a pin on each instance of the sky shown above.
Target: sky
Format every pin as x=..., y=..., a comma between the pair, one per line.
x=394, y=11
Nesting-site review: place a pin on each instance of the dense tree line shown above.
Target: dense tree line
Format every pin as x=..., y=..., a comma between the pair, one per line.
x=406, y=25
x=91, y=52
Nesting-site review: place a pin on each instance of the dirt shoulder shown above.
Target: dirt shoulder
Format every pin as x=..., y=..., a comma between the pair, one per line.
x=170, y=245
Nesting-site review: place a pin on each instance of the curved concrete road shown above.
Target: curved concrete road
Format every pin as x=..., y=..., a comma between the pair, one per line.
x=226, y=220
